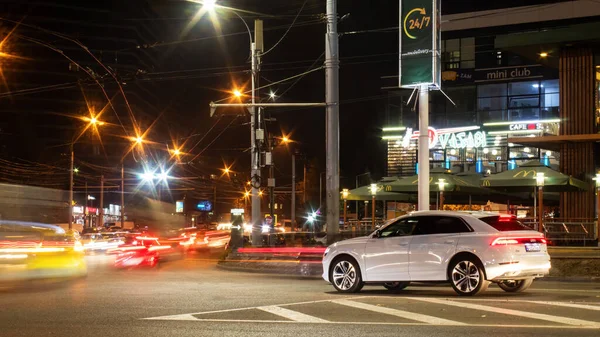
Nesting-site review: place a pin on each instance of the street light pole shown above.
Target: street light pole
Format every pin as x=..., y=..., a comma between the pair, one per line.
x=423, y=148
x=293, y=209
x=373, y=192
x=332, y=118
x=540, y=184
x=255, y=150
x=122, y=196
x=101, y=220
x=71, y=187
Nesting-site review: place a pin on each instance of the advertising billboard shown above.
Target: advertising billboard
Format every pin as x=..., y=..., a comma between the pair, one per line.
x=420, y=52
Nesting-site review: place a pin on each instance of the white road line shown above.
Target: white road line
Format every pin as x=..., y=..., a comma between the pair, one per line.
x=247, y=308
x=398, y=313
x=505, y=326
x=183, y=317
x=291, y=314
x=544, y=317
x=568, y=305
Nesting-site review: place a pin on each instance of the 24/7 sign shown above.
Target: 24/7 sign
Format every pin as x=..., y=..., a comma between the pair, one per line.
x=419, y=42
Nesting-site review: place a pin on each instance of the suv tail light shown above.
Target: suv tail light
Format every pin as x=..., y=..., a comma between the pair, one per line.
x=516, y=241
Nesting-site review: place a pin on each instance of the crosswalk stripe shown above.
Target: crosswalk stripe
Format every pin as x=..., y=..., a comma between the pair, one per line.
x=398, y=313
x=292, y=315
x=182, y=317
x=466, y=305
x=568, y=305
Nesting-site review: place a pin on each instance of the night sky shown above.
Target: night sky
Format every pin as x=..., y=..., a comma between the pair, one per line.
x=170, y=68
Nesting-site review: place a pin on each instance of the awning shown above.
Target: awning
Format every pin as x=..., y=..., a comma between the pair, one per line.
x=553, y=142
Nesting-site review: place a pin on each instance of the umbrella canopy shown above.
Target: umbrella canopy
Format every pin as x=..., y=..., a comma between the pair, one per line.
x=523, y=179
x=453, y=183
x=364, y=193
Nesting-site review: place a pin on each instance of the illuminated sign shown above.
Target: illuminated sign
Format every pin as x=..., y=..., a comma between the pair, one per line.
x=237, y=211
x=179, y=206
x=452, y=138
x=525, y=126
x=204, y=206
x=420, y=42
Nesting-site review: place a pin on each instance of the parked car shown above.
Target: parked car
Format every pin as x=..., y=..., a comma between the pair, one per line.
x=469, y=250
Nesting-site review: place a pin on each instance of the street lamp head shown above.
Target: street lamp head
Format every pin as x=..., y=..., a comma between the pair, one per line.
x=177, y=152
x=209, y=5
x=345, y=193
x=76, y=170
x=272, y=95
x=543, y=54
x=93, y=120
x=247, y=194
x=539, y=179
x=285, y=139
x=373, y=189
x=237, y=93
x=442, y=184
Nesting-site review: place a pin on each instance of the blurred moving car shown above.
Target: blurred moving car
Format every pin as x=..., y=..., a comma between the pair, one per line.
x=34, y=250
x=194, y=238
x=139, y=251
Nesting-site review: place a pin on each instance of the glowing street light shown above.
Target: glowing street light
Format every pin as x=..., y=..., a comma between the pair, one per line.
x=373, y=189
x=285, y=139
x=76, y=170
x=442, y=186
x=237, y=93
x=543, y=54
x=209, y=5
x=345, y=194
x=246, y=194
x=272, y=95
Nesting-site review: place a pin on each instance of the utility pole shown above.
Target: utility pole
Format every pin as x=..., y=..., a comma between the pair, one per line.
x=85, y=208
x=332, y=124
x=423, y=148
x=256, y=47
x=293, y=209
x=101, y=221
x=71, y=187
x=122, y=195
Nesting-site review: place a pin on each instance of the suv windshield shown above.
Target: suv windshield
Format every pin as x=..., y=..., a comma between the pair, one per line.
x=504, y=224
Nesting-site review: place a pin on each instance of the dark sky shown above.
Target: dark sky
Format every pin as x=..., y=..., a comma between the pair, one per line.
x=170, y=70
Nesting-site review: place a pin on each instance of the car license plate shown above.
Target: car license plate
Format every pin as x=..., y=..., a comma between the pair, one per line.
x=533, y=247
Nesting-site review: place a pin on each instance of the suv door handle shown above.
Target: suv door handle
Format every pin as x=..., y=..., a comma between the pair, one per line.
x=449, y=241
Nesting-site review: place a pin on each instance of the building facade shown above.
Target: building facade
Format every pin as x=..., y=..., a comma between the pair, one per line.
x=522, y=83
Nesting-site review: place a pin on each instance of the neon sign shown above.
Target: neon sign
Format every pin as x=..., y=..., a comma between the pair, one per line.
x=452, y=138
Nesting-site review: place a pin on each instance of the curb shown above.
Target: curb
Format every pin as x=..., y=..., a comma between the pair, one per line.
x=225, y=266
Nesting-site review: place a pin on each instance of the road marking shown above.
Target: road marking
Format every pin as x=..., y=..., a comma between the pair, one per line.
x=245, y=308
x=507, y=326
x=568, y=305
x=544, y=317
x=398, y=313
x=291, y=314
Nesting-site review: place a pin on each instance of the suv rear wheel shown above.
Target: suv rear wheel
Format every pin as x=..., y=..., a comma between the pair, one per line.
x=467, y=276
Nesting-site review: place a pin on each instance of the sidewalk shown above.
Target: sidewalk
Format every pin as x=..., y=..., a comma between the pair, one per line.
x=569, y=263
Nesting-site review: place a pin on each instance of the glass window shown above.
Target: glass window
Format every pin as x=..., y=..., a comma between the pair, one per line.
x=550, y=86
x=401, y=227
x=551, y=100
x=490, y=90
x=440, y=225
x=467, y=49
x=505, y=223
x=491, y=103
x=524, y=88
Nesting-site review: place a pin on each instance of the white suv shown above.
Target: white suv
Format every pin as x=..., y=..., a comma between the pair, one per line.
x=469, y=250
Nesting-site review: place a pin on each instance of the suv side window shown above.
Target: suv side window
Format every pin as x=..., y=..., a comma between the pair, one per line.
x=440, y=225
x=402, y=227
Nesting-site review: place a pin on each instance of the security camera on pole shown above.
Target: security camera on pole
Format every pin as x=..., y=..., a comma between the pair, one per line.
x=420, y=70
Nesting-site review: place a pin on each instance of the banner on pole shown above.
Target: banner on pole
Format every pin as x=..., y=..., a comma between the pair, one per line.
x=420, y=43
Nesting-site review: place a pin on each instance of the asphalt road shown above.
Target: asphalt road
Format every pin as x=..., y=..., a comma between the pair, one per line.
x=194, y=298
